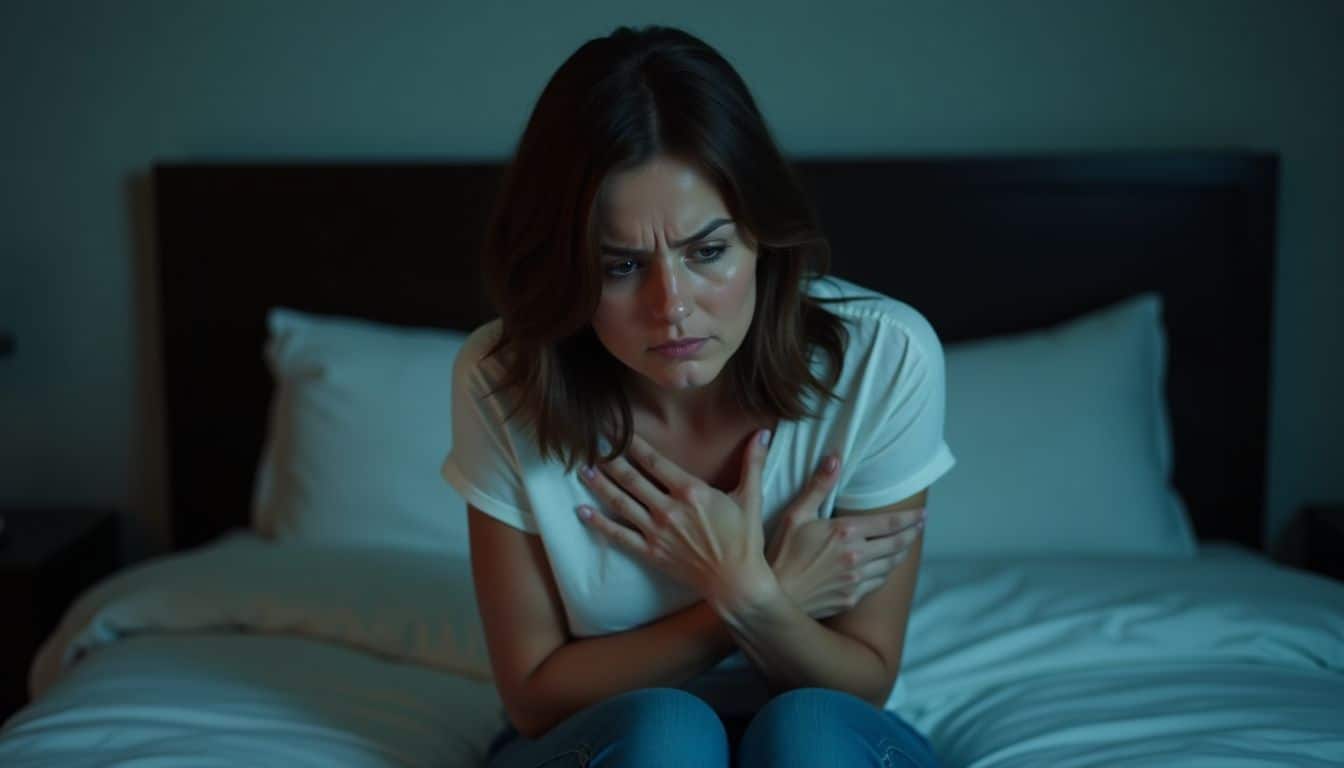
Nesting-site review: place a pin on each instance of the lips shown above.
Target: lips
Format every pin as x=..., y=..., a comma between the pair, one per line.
x=685, y=343
x=681, y=349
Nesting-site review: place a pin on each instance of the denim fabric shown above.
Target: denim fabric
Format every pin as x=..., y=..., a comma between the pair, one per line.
x=653, y=727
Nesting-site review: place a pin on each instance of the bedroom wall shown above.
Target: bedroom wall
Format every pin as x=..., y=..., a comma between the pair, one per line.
x=94, y=93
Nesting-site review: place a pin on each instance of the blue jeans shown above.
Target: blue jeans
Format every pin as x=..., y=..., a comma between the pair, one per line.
x=652, y=727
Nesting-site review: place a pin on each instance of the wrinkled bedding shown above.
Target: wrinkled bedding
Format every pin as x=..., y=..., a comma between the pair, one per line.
x=248, y=652
x=196, y=699
x=1225, y=660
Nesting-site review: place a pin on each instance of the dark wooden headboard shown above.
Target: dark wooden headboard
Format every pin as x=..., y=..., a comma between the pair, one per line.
x=982, y=245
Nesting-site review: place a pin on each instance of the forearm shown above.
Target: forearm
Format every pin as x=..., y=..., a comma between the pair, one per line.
x=667, y=652
x=793, y=650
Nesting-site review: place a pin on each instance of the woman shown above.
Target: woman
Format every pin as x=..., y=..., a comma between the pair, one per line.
x=695, y=475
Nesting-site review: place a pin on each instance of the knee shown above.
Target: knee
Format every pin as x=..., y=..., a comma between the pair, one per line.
x=807, y=705
x=794, y=719
x=811, y=726
x=671, y=706
x=654, y=726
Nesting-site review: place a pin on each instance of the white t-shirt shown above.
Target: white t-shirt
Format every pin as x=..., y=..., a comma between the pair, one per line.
x=886, y=423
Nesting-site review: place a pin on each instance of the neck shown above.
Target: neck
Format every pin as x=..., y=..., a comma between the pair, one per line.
x=693, y=410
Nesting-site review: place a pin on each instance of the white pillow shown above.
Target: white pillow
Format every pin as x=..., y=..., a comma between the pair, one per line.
x=360, y=422
x=1062, y=439
x=1063, y=442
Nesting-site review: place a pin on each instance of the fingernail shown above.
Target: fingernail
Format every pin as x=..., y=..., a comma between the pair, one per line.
x=830, y=464
x=585, y=513
x=588, y=473
x=765, y=437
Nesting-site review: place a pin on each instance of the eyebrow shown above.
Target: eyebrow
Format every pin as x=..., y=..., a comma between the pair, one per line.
x=701, y=235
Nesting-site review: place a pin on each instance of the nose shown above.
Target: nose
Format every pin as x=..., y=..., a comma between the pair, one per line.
x=665, y=295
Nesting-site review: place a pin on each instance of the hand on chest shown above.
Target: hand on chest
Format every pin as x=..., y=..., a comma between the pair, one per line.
x=714, y=457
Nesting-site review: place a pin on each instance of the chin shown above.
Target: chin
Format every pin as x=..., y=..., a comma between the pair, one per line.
x=698, y=376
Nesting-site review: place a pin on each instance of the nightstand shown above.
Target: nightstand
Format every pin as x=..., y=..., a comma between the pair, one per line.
x=48, y=556
x=1323, y=539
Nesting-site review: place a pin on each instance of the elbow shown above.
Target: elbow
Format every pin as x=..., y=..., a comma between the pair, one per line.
x=529, y=720
x=879, y=697
x=528, y=724
x=879, y=700
x=521, y=717
x=529, y=730
x=880, y=692
x=529, y=712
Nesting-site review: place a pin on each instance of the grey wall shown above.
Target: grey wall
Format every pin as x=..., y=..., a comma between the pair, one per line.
x=94, y=93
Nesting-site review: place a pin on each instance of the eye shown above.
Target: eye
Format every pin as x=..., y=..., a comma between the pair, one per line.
x=710, y=253
x=621, y=268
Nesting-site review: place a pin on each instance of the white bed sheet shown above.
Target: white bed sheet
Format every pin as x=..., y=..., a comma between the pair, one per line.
x=192, y=700
x=1226, y=660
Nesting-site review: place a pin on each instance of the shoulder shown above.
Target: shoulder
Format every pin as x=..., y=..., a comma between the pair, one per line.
x=474, y=363
x=479, y=376
x=877, y=322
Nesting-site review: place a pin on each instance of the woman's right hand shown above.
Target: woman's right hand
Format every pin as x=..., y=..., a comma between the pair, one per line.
x=827, y=565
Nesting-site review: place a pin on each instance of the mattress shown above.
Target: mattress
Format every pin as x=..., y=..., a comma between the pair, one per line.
x=257, y=653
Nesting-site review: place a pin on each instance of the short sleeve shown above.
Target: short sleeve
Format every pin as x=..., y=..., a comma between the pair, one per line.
x=483, y=463
x=904, y=401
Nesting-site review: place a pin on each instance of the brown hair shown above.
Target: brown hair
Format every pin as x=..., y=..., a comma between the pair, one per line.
x=613, y=105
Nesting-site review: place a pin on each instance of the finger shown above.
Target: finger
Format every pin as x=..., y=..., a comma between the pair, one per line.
x=622, y=536
x=615, y=498
x=805, y=508
x=877, y=569
x=749, y=486
x=883, y=565
x=869, y=586
x=887, y=546
x=889, y=523
x=627, y=477
x=662, y=469
x=880, y=567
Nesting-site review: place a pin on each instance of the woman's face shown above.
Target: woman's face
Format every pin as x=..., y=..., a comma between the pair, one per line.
x=679, y=281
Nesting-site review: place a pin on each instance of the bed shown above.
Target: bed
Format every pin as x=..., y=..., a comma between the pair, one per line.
x=1104, y=312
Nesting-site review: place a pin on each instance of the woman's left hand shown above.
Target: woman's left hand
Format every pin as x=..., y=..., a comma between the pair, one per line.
x=700, y=536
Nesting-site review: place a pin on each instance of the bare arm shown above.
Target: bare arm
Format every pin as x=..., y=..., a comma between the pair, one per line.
x=858, y=651
x=710, y=540
x=544, y=675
